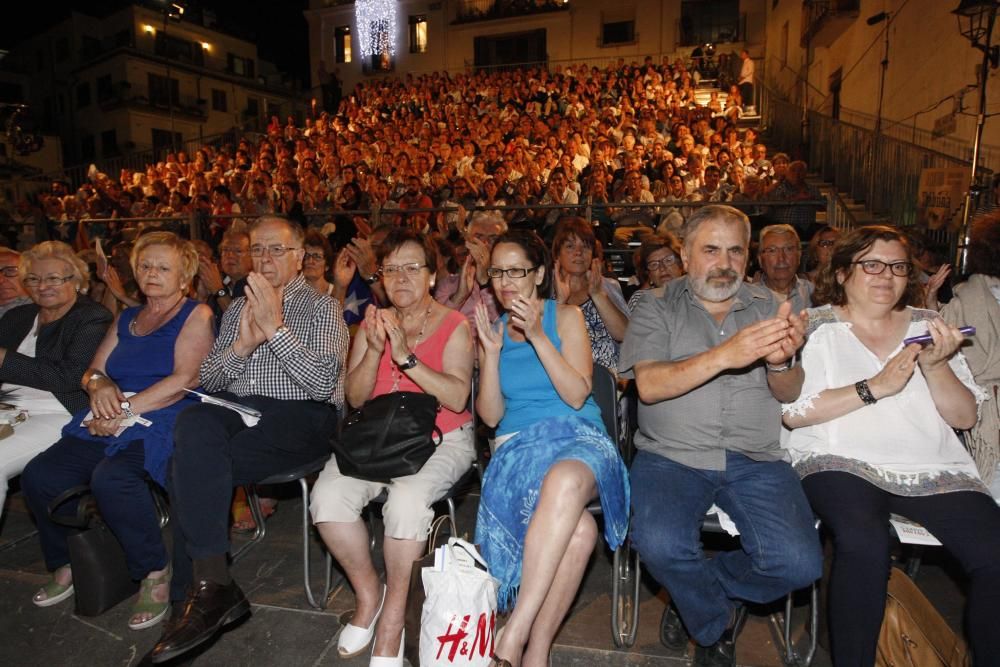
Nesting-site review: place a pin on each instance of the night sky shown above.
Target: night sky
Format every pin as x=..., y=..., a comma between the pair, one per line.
x=278, y=27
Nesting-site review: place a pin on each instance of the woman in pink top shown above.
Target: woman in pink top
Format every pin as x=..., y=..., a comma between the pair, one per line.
x=416, y=344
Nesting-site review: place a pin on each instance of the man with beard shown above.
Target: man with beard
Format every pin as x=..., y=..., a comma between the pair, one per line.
x=712, y=357
x=779, y=254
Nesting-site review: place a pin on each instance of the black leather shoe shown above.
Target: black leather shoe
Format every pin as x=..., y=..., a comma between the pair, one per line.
x=723, y=652
x=209, y=606
x=672, y=632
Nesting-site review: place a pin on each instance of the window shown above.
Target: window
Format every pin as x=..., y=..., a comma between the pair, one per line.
x=240, y=66
x=182, y=50
x=39, y=60
x=109, y=144
x=90, y=47
x=219, y=100
x=163, y=92
x=382, y=61
x=164, y=140
x=87, y=148
x=418, y=34
x=710, y=21
x=273, y=108
x=105, y=91
x=618, y=32
x=342, y=43
x=62, y=49
x=253, y=107
x=83, y=95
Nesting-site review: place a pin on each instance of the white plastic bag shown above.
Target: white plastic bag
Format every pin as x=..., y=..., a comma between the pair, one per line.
x=458, y=620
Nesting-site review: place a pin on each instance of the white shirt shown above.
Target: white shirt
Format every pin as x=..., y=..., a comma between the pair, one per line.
x=901, y=443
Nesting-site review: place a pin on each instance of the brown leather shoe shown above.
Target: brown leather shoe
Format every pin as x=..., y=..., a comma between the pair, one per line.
x=208, y=608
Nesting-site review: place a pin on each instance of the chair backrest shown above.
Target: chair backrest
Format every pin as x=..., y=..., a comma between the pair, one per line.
x=605, y=392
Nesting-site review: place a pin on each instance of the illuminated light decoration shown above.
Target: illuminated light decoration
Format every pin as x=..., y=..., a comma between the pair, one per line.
x=376, y=21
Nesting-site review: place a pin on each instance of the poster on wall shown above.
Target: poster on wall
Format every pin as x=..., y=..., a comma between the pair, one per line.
x=941, y=196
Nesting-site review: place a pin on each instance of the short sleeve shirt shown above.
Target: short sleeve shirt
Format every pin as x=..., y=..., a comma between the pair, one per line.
x=734, y=411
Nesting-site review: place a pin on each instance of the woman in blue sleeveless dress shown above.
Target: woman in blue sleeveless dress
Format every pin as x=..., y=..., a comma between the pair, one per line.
x=552, y=456
x=148, y=357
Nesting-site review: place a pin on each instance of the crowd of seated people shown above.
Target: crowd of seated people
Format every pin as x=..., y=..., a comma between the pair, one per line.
x=415, y=295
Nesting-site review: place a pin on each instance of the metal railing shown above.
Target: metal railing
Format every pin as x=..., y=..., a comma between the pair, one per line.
x=468, y=11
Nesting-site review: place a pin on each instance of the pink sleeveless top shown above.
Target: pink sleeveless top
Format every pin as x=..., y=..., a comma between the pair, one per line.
x=430, y=353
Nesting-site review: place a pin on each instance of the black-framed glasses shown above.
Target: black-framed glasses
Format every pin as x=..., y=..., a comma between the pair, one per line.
x=48, y=281
x=875, y=267
x=513, y=272
x=9, y=271
x=272, y=250
x=410, y=269
x=664, y=263
x=315, y=256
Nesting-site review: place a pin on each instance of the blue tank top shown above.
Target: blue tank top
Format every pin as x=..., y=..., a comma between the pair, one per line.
x=528, y=393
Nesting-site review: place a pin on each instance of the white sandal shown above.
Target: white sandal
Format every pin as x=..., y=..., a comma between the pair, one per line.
x=390, y=661
x=354, y=640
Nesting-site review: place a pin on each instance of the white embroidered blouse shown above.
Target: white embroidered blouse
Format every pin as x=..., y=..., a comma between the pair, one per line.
x=900, y=444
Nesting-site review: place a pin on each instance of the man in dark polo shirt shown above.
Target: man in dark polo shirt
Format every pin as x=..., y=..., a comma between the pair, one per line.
x=712, y=357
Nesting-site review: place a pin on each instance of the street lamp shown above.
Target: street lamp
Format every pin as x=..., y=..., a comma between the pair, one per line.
x=975, y=22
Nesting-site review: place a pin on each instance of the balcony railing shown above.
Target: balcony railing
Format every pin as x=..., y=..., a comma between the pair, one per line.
x=183, y=107
x=469, y=11
x=824, y=20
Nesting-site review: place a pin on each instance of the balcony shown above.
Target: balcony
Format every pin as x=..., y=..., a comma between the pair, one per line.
x=823, y=21
x=470, y=11
x=184, y=108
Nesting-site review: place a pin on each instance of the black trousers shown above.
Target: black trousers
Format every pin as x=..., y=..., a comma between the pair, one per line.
x=215, y=451
x=856, y=512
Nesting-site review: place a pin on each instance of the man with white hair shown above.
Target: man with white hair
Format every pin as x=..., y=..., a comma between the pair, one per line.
x=12, y=294
x=712, y=356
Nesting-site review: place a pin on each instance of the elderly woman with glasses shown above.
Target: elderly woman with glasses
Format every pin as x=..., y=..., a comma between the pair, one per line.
x=657, y=262
x=873, y=435
x=136, y=385
x=45, y=347
x=417, y=345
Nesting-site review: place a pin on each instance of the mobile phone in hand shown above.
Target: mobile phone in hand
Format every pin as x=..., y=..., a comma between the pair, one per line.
x=926, y=338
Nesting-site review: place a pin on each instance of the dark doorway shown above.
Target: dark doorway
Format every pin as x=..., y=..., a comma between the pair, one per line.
x=512, y=49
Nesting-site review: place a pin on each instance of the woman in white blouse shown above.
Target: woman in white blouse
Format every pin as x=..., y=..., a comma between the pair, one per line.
x=873, y=435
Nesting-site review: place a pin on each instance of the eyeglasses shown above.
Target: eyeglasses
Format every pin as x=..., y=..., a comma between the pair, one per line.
x=272, y=250
x=514, y=272
x=826, y=243
x=785, y=250
x=48, y=281
x=315, y=256
x=9, y=271
x=876, y=267
x=411, y=269
x=229, y=250
x=665, y=263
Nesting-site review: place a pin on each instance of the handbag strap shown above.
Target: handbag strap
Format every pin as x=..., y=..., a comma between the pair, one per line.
x=84, y=510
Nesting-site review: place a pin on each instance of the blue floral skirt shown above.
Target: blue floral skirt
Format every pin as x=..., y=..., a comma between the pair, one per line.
x=513, y=482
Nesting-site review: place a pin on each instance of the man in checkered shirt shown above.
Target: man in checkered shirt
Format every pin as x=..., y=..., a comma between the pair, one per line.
x=281, y=350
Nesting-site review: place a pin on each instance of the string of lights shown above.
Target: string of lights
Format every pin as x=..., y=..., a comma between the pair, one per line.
x=376, y=21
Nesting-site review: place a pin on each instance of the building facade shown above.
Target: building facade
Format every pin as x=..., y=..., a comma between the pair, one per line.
x=137, y=81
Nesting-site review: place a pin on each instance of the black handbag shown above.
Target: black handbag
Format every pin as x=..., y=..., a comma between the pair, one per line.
x=392, y=435
x=100, y=575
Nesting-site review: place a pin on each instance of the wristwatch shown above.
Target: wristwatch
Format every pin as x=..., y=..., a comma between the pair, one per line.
x=127, y=409
x=787, y=366
x=372, y=279
x=222, y=292
x=410, y=362
x=96, y=375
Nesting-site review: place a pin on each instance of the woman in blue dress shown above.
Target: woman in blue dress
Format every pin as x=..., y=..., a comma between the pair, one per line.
x=149, y=356
x=552, y=455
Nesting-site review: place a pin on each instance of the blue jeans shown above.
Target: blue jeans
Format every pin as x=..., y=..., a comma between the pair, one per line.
x=780, y=550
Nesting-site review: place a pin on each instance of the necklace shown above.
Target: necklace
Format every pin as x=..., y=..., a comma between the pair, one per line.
x=396, y=375
x=132, y=329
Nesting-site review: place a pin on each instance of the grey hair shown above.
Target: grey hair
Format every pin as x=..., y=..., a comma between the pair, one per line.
x=713, y=213
x=488, y=217
x=779, y=229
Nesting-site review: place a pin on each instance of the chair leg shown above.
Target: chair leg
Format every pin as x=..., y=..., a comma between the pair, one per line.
x=306, y=567
x=453, y=524
x=260, y=528
x=625, y=581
